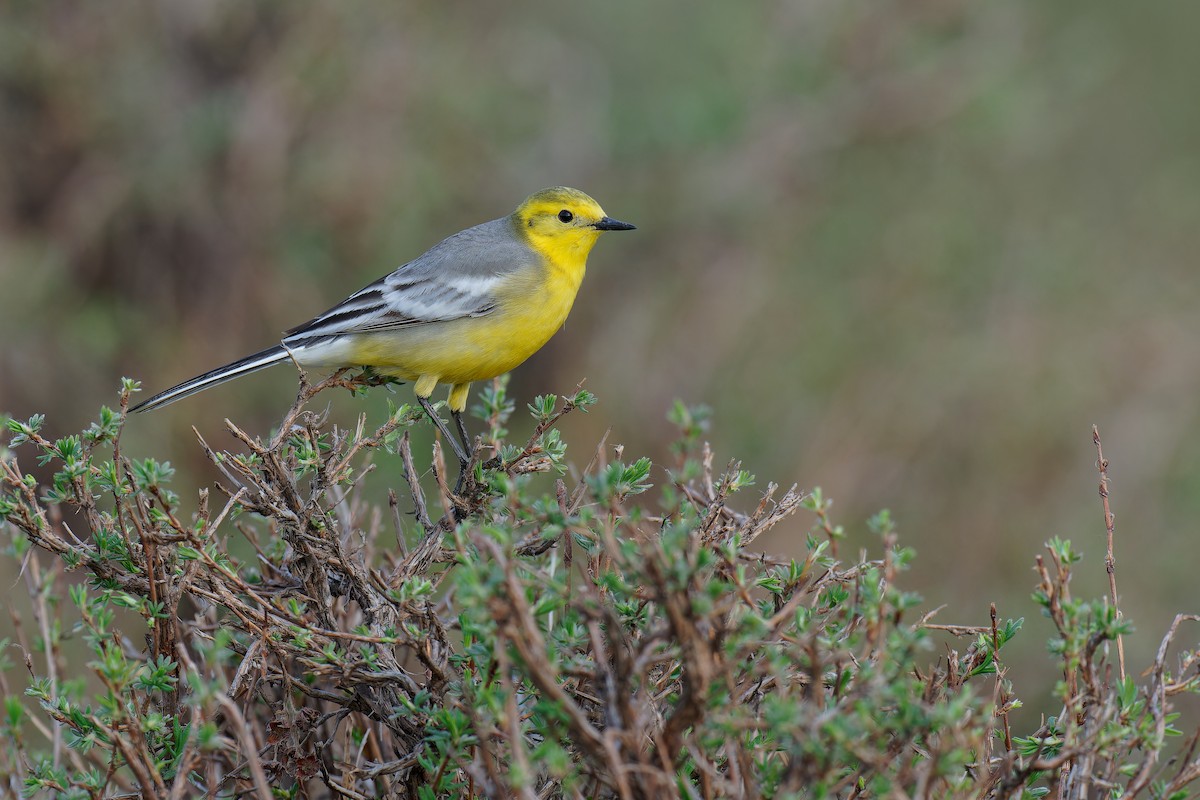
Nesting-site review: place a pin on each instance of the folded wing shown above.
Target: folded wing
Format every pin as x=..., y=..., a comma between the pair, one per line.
x=456, y=278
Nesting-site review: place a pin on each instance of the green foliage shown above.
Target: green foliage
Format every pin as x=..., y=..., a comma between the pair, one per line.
x=615, y=636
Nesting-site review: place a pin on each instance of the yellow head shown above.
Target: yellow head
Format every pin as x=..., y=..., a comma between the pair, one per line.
x=563, y=223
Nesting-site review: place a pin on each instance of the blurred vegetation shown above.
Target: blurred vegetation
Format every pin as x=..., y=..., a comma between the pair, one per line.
x=909, y=251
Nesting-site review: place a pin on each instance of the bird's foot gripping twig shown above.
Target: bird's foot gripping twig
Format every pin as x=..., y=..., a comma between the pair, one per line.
x=463, y=447
x=468, y=446
x=463, y=436
x=462, y=450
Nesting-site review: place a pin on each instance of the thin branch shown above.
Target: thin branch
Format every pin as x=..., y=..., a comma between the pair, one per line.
x=1110, y=561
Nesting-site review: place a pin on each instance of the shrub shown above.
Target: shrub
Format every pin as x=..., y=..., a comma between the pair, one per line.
x=534, y=635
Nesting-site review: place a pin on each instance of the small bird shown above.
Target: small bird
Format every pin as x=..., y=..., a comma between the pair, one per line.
x=472, y=307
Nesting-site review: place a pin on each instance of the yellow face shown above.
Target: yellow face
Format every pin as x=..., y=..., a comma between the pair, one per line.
x=562, y=222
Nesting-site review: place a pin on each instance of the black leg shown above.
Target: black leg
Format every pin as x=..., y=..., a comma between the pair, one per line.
x=463, y=458
x=467, y=445
x=465, y=437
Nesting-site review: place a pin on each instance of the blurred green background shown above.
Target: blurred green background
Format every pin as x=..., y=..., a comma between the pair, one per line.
x=907, y=251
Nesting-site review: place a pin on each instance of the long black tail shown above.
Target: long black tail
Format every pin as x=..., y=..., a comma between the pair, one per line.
x=243, y=366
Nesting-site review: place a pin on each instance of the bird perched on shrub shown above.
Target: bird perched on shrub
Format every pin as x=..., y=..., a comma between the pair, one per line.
x=472, y=307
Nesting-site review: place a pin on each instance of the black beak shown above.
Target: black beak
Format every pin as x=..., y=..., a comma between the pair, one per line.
x=610, y=224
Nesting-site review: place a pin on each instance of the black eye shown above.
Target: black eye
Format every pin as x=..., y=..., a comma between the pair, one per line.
x=565, y=216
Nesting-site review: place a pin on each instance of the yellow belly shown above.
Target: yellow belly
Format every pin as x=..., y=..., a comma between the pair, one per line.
x=528, y=312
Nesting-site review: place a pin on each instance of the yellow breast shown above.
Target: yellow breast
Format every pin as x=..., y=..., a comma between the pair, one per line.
x=532, y=304
x=532, y=307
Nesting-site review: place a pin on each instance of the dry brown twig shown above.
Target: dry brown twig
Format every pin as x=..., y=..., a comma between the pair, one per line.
x=1110, y=561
